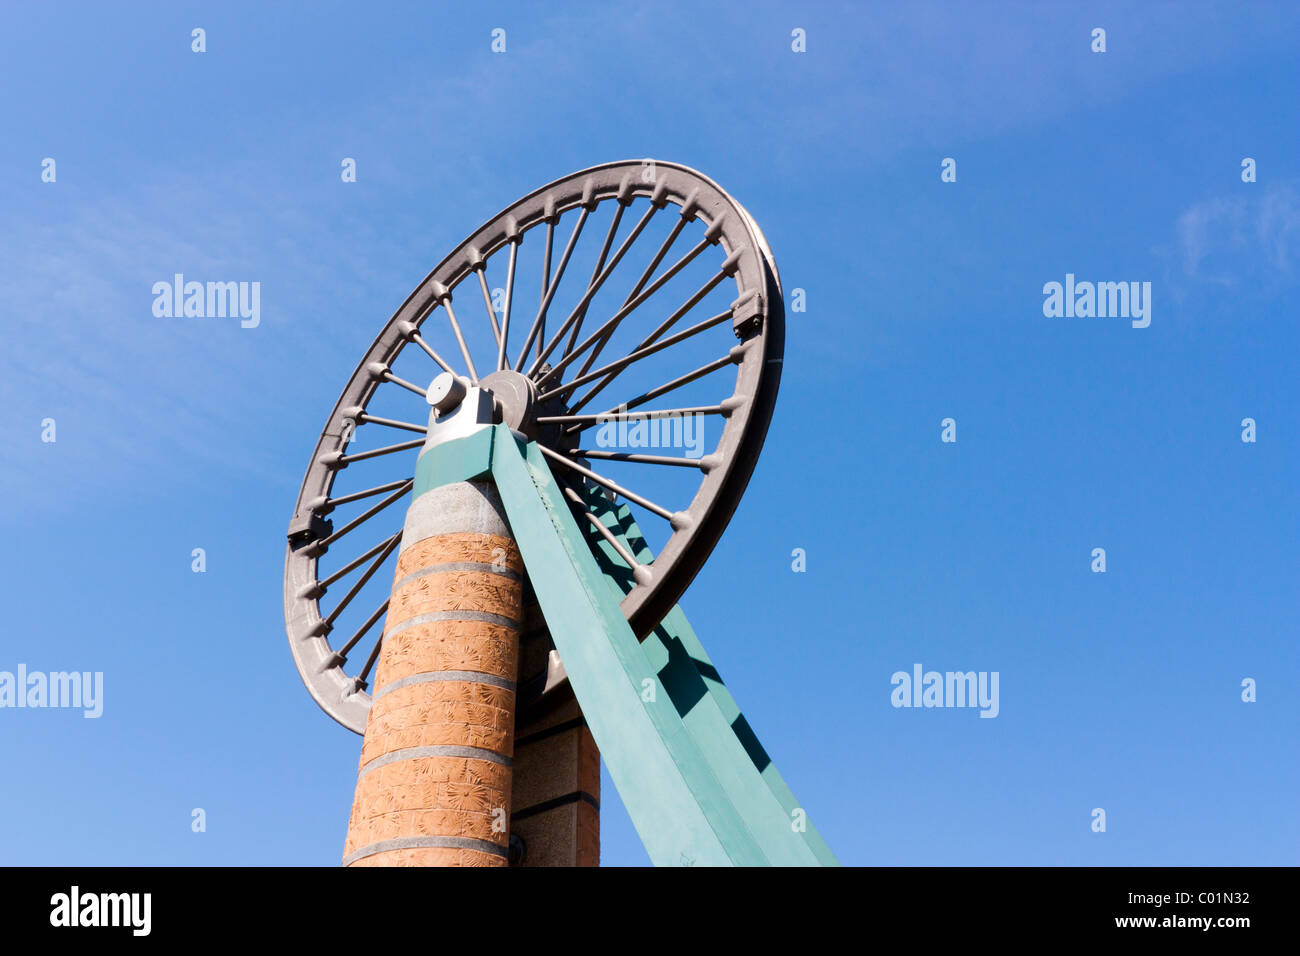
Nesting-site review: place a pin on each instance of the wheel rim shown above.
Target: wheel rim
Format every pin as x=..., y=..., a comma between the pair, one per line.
x=678, y=269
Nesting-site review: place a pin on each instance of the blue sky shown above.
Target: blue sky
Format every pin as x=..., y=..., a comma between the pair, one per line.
x=924, y=301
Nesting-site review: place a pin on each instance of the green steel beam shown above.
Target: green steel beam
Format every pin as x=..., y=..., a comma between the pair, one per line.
x=695, y=781
x=687, y=670
x=677, y=805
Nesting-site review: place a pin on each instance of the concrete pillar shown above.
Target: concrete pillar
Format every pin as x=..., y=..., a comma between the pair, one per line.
x=435, y=779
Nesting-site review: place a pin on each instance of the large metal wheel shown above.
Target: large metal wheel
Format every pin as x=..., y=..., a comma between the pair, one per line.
x=670, y=326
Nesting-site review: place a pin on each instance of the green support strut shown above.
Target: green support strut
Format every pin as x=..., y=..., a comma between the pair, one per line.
x=697, y=785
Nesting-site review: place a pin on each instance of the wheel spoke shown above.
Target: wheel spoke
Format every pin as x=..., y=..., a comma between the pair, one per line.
x=593, y=288
x=640, y=284
x=357, y=562
x=342, y=654
x=686, y=379
x=392, y=423
x=487, y=301
x=366, y=516
x=606, y=483
x=605, y=331
x=631, y=304
x=358, y=495
x=613, y=368
x=659, y=257
x=667, y=324
x=390, y=377
x=361, y=581
x=586, y=420
x=635, y=457
x=505, y=316
x=600, y=264
x=374, y=653
x=376, y=452
x=460, y=339
x=419, y=340
x=546, y=281
x=599, y=525
x=538, y=331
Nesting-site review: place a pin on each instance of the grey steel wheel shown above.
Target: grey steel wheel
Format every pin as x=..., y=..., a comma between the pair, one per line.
x=548, y=352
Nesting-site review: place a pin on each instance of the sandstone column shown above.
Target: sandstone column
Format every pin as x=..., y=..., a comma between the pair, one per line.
x=434, y=783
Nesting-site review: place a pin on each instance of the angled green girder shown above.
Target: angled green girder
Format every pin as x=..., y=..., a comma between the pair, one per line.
x=680, y=811
x=695, y=781
x=687, y=669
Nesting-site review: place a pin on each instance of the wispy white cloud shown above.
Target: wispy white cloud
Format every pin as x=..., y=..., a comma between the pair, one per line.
x=1230, y=240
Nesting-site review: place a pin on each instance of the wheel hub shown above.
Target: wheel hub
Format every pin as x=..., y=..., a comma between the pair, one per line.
x=515, y=398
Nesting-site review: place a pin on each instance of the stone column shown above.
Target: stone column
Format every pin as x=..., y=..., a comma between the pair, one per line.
x=434, y=783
